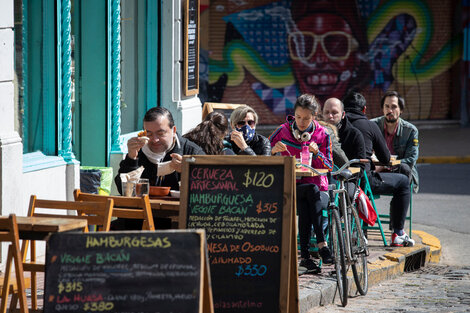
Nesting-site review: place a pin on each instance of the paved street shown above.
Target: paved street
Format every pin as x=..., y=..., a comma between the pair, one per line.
x=435, y=288
x=441, y=209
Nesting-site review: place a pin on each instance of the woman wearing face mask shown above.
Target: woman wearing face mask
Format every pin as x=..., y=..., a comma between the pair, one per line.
x=243, y=138
x=288, y=139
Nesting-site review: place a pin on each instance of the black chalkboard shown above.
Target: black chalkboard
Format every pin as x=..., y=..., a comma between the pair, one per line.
x=125, y=272
x=245, y=205
x=191, y=47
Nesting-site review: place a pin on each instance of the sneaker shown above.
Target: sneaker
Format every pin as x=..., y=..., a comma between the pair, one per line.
x=326, y=256
x=402, y=241
x=310, y=266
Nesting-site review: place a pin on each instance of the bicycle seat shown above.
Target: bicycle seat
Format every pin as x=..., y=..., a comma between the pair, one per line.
x=344, y=175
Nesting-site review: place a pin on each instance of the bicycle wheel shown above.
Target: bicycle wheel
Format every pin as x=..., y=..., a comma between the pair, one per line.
x=359, y=253
x=340, y=257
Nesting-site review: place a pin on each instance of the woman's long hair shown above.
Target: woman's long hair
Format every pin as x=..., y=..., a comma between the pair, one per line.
x=209, y=134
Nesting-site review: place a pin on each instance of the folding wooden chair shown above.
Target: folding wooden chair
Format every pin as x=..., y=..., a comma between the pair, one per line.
x=124, y=207
x=9, y=233
x=96, y=213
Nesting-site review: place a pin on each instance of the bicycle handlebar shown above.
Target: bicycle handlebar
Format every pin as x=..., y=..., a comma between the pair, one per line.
x=337, y=172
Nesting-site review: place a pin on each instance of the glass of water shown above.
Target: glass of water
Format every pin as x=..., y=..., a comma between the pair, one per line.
x=142, y=187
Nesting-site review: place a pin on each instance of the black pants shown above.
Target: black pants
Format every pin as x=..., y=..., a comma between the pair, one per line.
x=397, y=185
x=310, y=202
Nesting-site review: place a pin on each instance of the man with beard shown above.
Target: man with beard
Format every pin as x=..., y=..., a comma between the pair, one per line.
x=401, y=136
x=396, y=184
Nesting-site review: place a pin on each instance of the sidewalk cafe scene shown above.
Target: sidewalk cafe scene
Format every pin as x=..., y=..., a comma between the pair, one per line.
x=214, y=155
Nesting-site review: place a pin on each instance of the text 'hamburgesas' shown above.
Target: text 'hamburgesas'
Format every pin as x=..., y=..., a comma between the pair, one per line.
x=127, y=242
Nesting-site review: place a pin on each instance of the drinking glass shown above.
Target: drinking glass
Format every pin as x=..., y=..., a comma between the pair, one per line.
x=128, y=188
x=142, y=187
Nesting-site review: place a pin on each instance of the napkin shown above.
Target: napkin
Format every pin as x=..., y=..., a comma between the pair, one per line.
x=129, y=180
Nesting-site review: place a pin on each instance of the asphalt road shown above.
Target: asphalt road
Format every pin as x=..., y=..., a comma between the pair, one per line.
x=442, y=208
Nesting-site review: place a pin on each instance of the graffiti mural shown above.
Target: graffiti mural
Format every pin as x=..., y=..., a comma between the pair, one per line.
x=266, y=53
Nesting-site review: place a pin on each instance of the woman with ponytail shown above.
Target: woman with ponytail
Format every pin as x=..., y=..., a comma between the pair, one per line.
x=210, y=133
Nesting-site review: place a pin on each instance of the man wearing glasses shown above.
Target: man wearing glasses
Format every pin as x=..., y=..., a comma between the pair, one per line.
x=243, y=138
x=159, y=150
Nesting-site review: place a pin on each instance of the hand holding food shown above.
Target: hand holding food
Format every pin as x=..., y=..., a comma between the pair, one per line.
x=136, y=143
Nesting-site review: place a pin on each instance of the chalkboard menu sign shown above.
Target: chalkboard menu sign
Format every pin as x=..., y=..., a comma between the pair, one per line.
x=191, y=47
x=245, y=204
x=160, y=271
x=224, y=108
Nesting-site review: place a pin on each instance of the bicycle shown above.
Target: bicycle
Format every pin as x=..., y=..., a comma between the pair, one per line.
x=346, y=238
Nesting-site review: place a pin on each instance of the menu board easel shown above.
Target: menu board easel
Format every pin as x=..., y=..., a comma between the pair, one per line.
x=224, y=108
x=247, y=207
x=128, y=271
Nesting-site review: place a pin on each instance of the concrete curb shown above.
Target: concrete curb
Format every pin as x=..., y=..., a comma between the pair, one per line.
x=444, y=159
x=320, y=292
x=434, y=245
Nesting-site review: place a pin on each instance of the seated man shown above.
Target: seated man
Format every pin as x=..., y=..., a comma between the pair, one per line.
x=351, y=139
x=381, y=183
x=401, y=136
x=160, y=152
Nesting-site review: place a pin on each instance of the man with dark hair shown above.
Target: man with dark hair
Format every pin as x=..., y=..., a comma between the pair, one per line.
x=401, y=136
x=381, y=183
x=159, y=150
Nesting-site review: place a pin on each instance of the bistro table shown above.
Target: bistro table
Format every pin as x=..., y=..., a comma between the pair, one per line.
x=166, y=207
x=305, y=172
x=391, y=163
x=39, y=228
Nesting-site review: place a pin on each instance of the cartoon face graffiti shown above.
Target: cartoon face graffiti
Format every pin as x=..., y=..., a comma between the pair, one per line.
x=324, y=55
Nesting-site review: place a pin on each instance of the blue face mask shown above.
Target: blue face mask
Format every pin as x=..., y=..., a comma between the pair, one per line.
x=248, y=132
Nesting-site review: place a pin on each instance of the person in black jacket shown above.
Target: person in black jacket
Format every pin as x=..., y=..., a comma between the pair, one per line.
x=159, y=151
x=243, y=138
x=381, y=183
x=351, y=139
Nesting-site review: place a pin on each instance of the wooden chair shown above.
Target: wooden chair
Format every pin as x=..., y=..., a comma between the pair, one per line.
x=96, y=213
x=9, y=233
x=124, y=207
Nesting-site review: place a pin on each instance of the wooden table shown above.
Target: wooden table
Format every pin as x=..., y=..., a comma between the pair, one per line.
x=391, y=163
x=166, y=208
x=305, y=172
x=39, y=228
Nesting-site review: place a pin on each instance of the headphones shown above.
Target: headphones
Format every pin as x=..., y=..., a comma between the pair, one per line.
x=303, y=136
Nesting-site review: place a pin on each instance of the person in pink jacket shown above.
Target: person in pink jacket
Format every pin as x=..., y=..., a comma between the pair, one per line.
x=288, y=139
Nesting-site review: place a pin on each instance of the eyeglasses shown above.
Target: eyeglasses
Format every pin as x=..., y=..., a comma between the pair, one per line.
x=337, y=45
x=240, y=124
x=159, y=134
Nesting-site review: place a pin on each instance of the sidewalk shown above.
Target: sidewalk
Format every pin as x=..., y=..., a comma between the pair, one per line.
x=443, y=142
x=383, y=263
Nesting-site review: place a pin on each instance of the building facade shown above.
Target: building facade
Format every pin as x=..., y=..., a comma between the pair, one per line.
x=76, y=78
